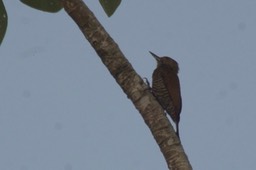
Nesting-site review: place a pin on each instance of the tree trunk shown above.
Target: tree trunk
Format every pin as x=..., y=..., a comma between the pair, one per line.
x=131, y=83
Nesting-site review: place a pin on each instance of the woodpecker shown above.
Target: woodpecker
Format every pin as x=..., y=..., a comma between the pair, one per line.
x=166, y=87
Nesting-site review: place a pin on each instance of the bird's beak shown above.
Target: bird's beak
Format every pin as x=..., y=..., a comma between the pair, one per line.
x=155, y=56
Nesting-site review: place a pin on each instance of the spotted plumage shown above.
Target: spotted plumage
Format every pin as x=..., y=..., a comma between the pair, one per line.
x=166, y=87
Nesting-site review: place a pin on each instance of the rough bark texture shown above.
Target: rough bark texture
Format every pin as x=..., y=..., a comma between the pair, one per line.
x=130, y=82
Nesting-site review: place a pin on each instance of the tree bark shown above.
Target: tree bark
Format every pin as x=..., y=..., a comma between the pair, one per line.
x=131, y=83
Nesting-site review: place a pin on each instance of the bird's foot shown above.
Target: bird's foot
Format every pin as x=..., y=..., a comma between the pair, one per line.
x=147, y=83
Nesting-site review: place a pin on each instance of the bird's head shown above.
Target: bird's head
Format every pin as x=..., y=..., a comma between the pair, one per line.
x=166, y=61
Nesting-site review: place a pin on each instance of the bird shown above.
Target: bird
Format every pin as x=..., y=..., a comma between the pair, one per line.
x=166, y=87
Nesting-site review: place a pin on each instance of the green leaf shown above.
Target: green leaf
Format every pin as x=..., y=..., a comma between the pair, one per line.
x=110, y=6
x=44, y=5
x=3, y=21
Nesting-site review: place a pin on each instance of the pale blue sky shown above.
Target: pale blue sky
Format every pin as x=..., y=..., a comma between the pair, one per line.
x=60, y=109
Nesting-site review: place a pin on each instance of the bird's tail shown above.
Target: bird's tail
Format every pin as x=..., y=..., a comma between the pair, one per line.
x=177, y=130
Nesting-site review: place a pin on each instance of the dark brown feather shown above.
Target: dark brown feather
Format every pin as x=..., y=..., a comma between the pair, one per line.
x=166, y=87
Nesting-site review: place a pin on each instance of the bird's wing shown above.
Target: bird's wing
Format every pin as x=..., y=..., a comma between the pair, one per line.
x=172, y=83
